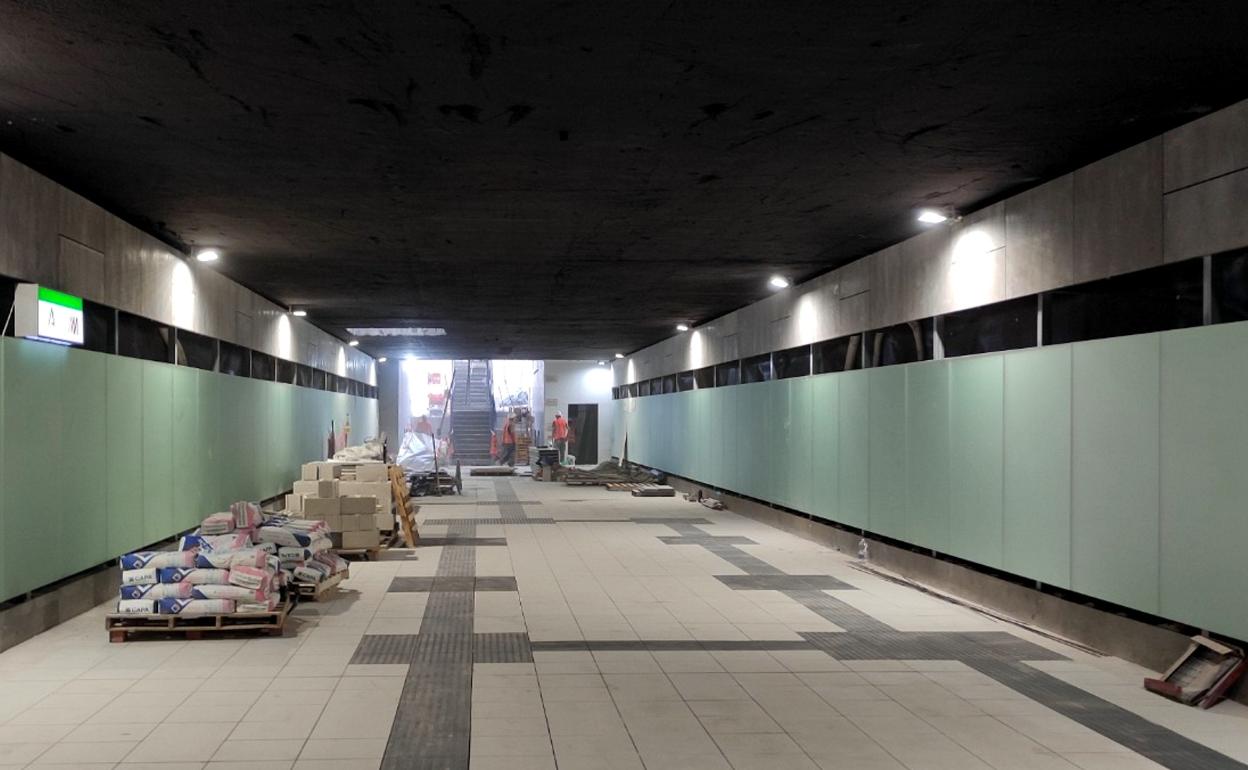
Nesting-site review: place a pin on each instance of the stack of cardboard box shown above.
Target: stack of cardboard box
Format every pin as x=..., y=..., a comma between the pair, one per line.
x=357, y=508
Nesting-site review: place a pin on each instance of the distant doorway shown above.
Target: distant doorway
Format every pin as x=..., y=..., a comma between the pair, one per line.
x=583, y=441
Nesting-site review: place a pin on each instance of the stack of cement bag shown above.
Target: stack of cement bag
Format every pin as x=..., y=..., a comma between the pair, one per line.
x=234, y=562
x=303, y=548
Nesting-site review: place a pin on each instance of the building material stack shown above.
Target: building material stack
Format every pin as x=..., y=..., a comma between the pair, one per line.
x=354, y=499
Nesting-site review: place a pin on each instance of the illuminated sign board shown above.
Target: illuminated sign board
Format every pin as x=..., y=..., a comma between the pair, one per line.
x=45, y=314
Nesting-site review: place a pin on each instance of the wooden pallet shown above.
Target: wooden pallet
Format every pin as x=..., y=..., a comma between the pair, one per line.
x=121, y=627
x=315, y=592
x=627, y=486
x=363, y=554
x=492, y=470
x=654, y=490
x=404, y=507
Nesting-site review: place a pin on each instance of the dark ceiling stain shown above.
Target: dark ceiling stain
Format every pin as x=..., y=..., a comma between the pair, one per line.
x=518, y=112
x=389, y=109
x=708, y=178
x=774, y=131
x=475, y=45
x=469, y=112
x=302, y=38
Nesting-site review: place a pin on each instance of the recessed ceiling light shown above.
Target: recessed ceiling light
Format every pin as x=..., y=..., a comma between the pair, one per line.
x=354, y=343
x=602, y=363
x=931, y=217
x=682, y=327
x=382, y=360
x=619, y=355
x=207, y=255
x=299, y=313
x=778, y=282
x=398, y=331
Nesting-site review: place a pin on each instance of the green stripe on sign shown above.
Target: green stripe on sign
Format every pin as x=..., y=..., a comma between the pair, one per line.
x=60, y=298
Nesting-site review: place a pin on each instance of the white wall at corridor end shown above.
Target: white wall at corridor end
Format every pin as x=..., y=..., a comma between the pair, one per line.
x=580, y=382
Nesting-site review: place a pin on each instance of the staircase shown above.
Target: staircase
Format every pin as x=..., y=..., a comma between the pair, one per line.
x=472, y=412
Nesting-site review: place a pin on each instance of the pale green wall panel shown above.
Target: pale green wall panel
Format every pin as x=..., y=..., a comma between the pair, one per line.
x=4, y=577
x=1204, y=486
x=123, y=453
x=1037, y=464
x=855, y=447
x=1115, y=495
x=1087, y=465
x=213, y=494
x=731, y=428
x=78, y=504
x=756, y=443
x=667, y=450
x=927, y=455
x=188, y=470
x=698, y=434
x=887, y=464
x=825, y=447
x=976, y=472
x=797, y=473
x=158, y=517
x=714, y=473
x=117, y=453
x=34, y=428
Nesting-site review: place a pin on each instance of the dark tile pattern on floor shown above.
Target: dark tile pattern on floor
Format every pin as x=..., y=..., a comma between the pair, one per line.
x=502, y=648
x=470, y=541
x=671, y=645
x=433, y=722
x=432, y=726
x=725, y=540
x=431, y=584
x=795, y=583
x=384, y=648
x=482, y=522
x=999, y=655
x=1163, y=746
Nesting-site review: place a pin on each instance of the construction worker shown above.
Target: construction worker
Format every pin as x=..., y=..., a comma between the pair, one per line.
x=509, y=444
x=559, y=432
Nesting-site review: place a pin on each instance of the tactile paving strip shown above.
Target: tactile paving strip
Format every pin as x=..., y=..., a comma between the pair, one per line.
x=432, y=584
x=384, y=648
x=670, y=645
x=502, y=648
x=462, y=540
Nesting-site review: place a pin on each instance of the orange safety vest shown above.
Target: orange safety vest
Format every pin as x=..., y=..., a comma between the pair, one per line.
x=561, y=428
x=508, y=436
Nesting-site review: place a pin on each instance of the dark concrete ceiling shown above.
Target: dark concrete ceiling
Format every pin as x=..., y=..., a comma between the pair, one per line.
x=560, y=179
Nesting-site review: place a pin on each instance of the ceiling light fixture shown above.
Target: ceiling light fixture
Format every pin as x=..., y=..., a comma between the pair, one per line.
x=207, y=255
x=354, y=343
x=619, y=355
x=778, y=282
x=932, y=217
x=682, y=327
x=299, y=313
x=397, y=331
x=602, y=363
x=382, y=360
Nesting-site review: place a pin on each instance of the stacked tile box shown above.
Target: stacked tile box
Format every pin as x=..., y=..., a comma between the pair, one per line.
x=353, y=498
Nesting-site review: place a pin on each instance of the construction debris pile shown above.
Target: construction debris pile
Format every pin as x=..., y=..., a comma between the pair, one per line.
x=612, y=472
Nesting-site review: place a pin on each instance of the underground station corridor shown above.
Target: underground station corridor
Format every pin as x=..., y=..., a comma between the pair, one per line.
x=677, y=385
